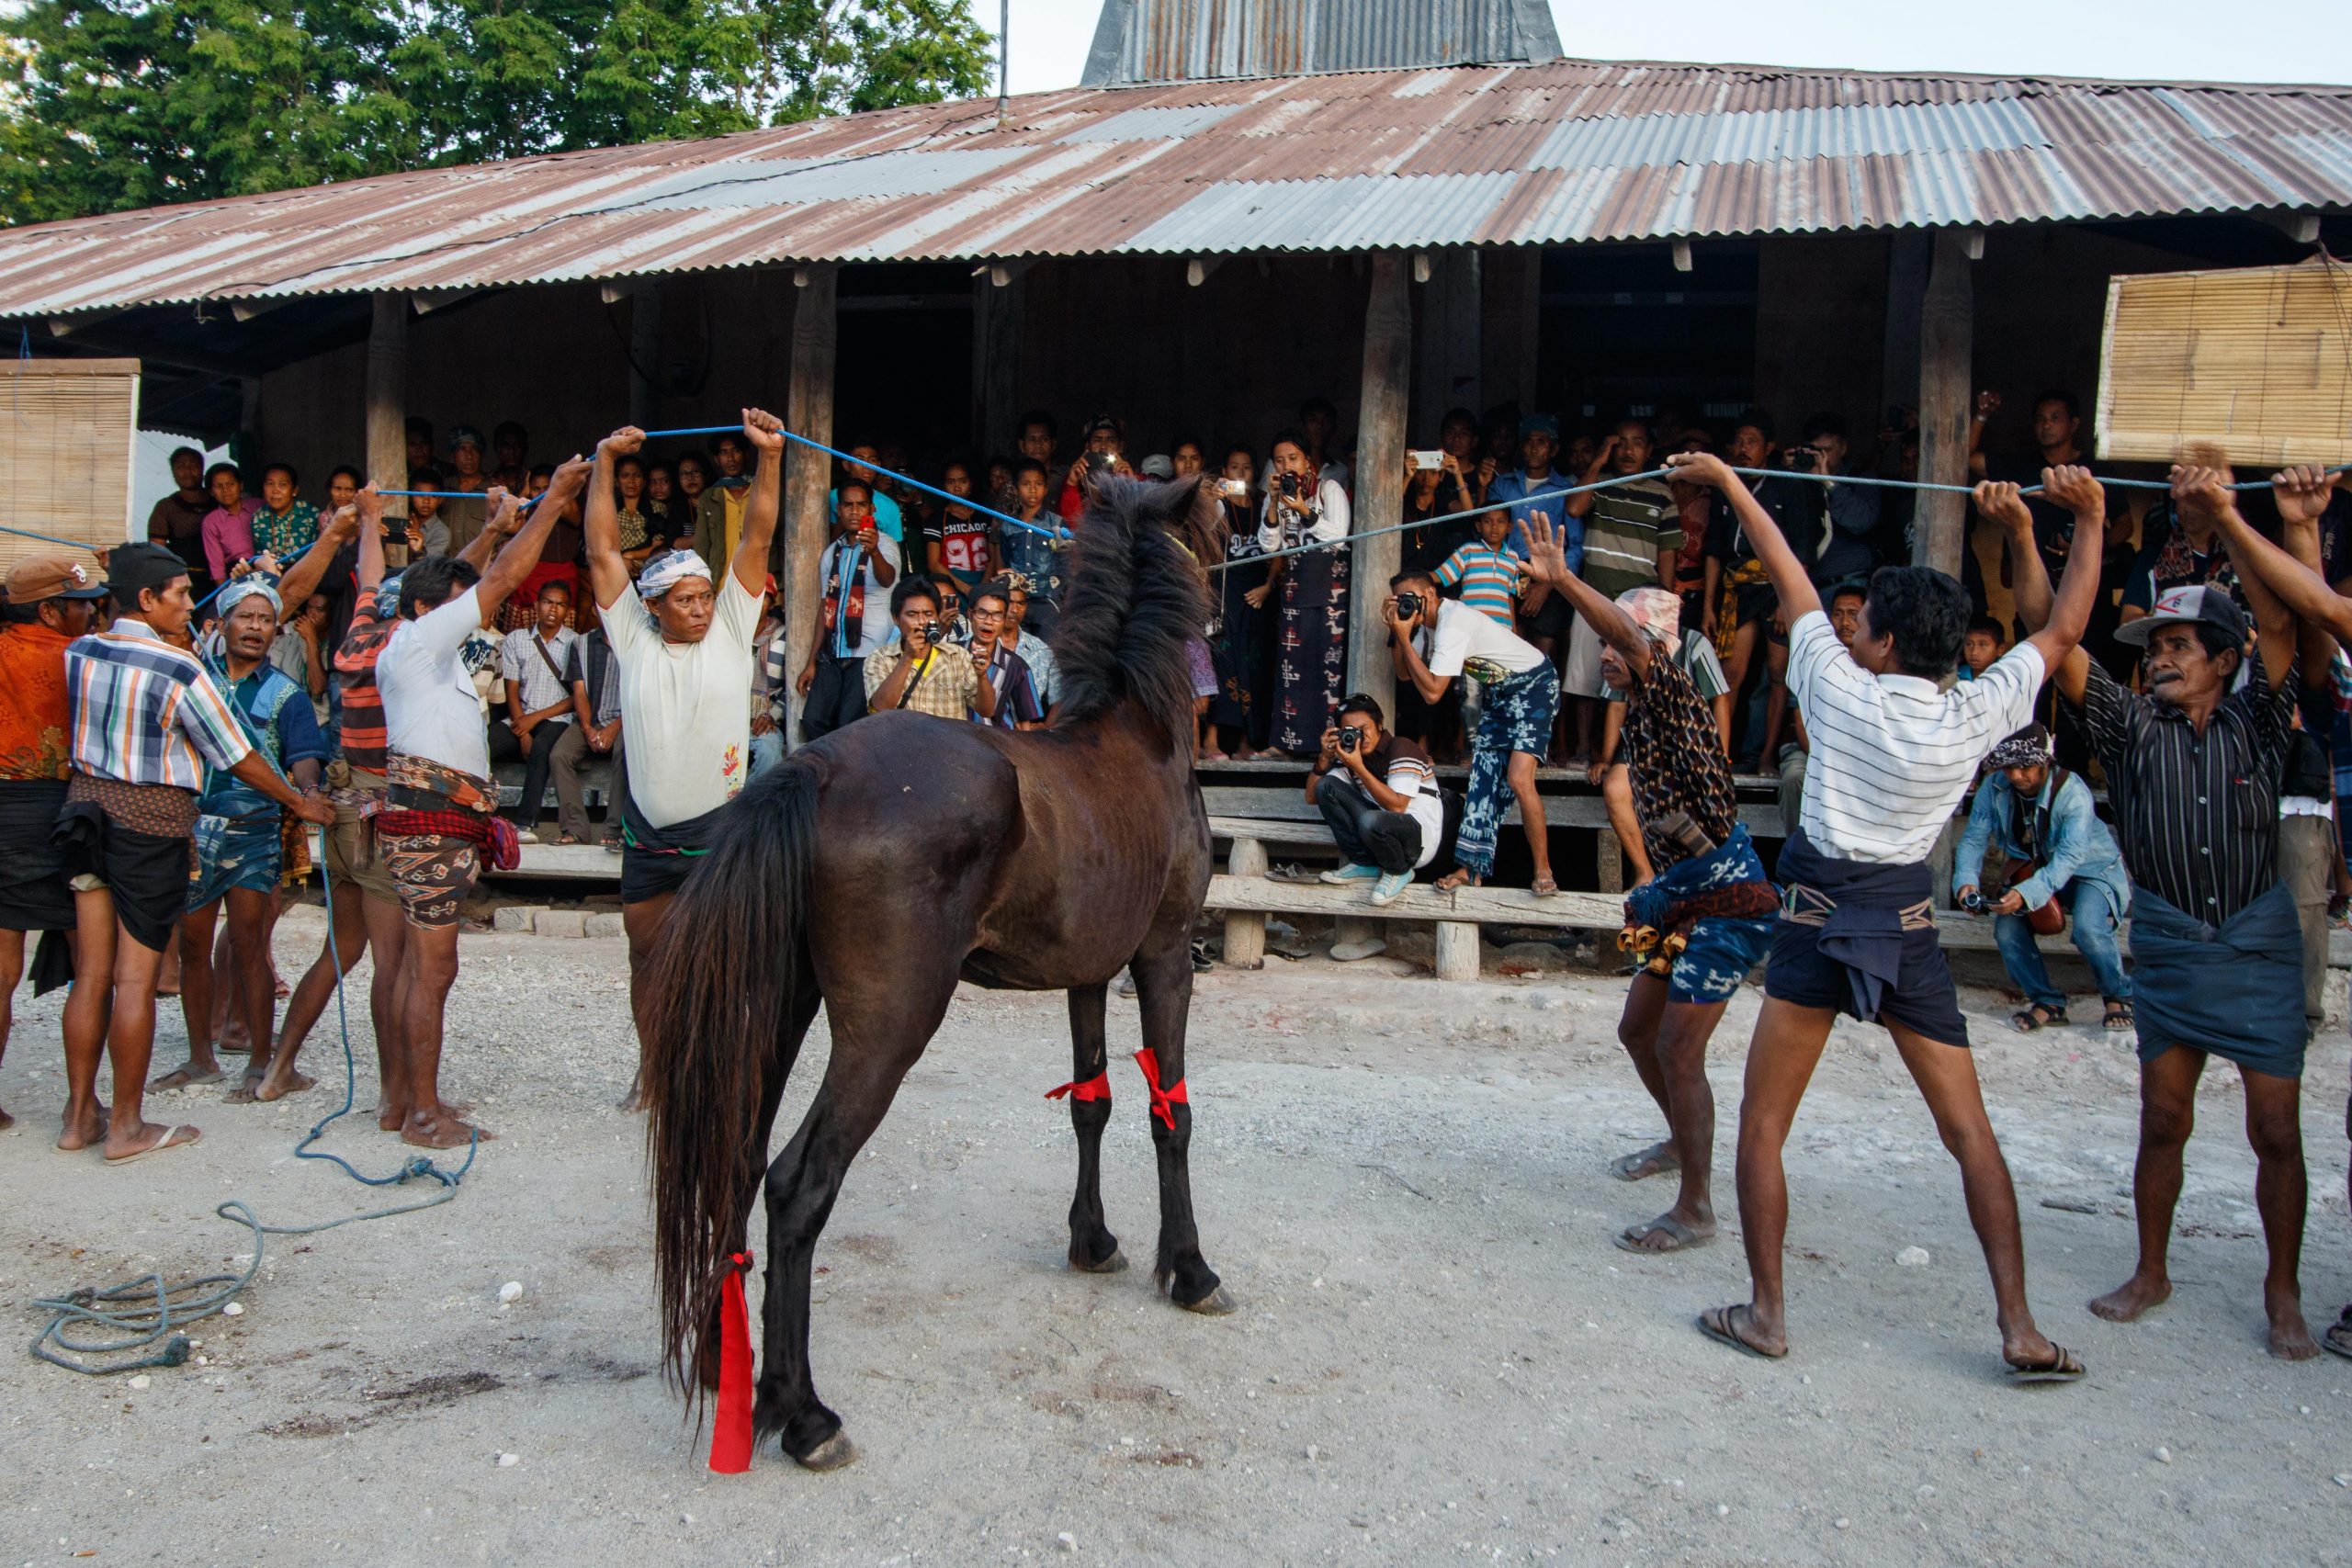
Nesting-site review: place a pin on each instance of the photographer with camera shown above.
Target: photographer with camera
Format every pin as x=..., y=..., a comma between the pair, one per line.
x=1522, y=692
x=923, y=673
x=855, y=568
x=2058, y=860
x=1307, y=506
x=1102, y=452
x=1379, y=793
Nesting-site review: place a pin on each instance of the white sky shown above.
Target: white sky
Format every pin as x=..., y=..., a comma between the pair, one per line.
x=2247, y=40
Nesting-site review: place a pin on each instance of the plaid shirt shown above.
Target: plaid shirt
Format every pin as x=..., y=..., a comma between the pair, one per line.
x=144, y=713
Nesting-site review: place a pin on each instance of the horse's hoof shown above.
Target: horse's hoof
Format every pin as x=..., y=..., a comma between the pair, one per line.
x=831, y=1454
x=1216, y=1304
x=1114, y=1264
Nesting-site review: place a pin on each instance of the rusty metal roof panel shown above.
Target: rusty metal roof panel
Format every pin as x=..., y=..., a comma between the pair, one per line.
x=1560, y=153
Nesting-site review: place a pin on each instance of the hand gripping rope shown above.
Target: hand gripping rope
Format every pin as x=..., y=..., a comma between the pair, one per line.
x=102, y=1321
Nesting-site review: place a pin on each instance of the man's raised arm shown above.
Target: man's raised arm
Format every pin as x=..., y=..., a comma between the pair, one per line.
x=2208, y=490
x=501, y=508
x=600, y=523
x=371, y=570
x=1790, y=581
x=309, y=569
x=2060, y=636
x=2302, y=495
x=521, y=553
x=1548, y=558
x=766, y=432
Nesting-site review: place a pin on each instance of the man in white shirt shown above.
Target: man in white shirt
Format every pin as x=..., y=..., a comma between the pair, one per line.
x=683, y=644
x=439, y=798
x=858, y=571
x=1892, y=754
x=1378, y=793
x=539, y=714
x=1522, y=692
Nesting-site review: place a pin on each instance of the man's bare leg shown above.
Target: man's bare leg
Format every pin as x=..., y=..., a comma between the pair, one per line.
x=428, y=971
x=2274, y=1125
x=1617, y=794
x=1519, y=772
x=130, y=1045
x=89, y=1010
x=1775, y=699
x=252, y=983
x=1678, y=1052
x=1637, y=1032
x=1946, y=1075
x=12, y=972
x=643, y=921
x=1780, y=1058
x=314, y=991
x=2167, y=1116
x=196, y=977
x=228, y=1031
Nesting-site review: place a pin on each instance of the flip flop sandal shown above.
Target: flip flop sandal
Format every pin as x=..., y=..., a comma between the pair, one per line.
x=1546, y=887
x=2062, y=1367
x=2028, y=1021
x=1628, y=1167
x=191, y=1081
x=170, y=1140
x=1715, y=1323
x=1630, y=1239
x=2337, y=1335
x=2118, y=1018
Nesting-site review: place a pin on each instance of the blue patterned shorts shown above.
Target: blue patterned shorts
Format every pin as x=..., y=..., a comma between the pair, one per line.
x=233, y=852
x=1720, y=954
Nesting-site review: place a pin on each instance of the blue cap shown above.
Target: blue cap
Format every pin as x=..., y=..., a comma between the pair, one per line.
x=1539, y=423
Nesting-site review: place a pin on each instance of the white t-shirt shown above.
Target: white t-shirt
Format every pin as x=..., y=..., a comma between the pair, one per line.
x=1891, y=755
x=431, y=706
x=685, y=727
x=1415, y=779
x=1463, y=633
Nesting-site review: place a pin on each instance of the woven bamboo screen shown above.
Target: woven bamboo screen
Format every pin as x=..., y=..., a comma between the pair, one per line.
x=67, y=431
x=2255, y=360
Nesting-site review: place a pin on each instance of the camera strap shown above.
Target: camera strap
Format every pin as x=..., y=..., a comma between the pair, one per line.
x=907, y=693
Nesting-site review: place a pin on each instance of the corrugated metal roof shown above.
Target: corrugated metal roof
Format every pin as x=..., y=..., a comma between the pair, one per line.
x=1138, y=41
x=1557, y=153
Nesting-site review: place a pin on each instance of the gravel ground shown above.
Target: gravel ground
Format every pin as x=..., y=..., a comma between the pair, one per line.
x=1439, y=1355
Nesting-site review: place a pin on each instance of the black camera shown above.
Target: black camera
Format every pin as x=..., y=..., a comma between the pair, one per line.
x=1350, y=737
x=1290, y=484
x=1804, y=460
x=1408, y=605
x=1974, y=902
x=929, y=630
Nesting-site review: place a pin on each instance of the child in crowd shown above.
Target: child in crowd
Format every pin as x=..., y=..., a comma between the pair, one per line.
x=1487, y=577
x=1980, y=647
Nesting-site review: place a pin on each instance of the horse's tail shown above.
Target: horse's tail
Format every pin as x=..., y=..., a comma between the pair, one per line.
x=719, y=1026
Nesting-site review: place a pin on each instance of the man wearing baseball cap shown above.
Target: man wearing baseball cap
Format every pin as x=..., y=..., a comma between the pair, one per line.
x=147, y=722
x=2192, y=774
x=50, y=602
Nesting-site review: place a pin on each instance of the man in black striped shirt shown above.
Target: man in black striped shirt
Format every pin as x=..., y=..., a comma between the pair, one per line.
x=2192, y=771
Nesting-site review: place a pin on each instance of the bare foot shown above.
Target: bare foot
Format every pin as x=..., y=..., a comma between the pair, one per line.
x=188, y=1075
x=1455, y=879
x=92, y=1129
x=1737, y=1326
x=2034, y=1357
x=234, y=1039
x=1656, y=1160
x=443, y=1133
x=392, y=1119
x=2135, y=1296
x=2291, y=1336
x=280, y=1082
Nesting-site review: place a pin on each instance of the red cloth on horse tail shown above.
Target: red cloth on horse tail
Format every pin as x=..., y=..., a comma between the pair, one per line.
x=730, y=1433
x=1096, y=1088
x=1162, y=1099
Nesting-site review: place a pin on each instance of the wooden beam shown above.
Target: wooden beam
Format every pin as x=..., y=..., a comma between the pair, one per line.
x=997, y=315
x=808, y=476
x=1947, y=350
x=1380, y=474
x=387, y=394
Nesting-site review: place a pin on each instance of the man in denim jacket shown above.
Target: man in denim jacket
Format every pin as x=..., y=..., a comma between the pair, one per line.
x=2031, y=811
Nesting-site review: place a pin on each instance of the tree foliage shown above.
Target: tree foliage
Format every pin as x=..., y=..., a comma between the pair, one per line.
x=114, y=103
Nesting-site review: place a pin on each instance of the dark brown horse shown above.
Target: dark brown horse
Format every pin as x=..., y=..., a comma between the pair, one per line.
x=894, y=857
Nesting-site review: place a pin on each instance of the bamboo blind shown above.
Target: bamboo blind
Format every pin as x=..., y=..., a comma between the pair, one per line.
x=67, y=432
x=2255, y=360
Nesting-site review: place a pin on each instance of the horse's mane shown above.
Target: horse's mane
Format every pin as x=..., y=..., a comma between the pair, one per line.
x=1137, y=595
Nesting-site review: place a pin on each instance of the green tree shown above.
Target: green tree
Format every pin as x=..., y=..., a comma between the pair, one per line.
x=113, y=104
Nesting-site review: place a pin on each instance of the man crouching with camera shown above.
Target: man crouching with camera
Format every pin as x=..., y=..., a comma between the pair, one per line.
x=1379, y=793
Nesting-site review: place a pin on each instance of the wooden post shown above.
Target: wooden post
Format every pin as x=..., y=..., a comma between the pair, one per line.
x=1947, y=343
x=1245, y=929
x=645, y=352
x=808, y=476
x=1457, y=950
x=996, y=362
x=1379, y=475
x=387, y=417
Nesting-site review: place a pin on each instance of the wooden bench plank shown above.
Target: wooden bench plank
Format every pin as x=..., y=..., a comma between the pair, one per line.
x=1264, y=804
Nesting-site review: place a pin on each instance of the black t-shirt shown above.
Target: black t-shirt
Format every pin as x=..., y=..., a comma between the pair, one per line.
x=1801, y=507
x=963, y=545
x=1384, y=756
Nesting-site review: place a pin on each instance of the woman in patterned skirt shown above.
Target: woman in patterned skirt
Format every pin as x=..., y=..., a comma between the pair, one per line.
x=1303, y=508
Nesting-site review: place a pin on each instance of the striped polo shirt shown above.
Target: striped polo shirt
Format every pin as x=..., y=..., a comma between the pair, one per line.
x=1489, y=581
x=144, y=713
x=363, y=739
x=1892, y=754
x=1624, y=533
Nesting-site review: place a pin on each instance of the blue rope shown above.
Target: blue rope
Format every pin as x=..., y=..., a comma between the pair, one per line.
x=69, y=1339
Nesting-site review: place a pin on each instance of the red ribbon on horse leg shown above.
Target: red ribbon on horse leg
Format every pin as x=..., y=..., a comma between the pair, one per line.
x=730, y=1433
x=1096, y=1088
x=1162, y=1099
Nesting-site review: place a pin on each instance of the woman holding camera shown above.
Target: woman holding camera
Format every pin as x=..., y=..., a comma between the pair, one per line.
x=1305, y=508
x=1241, y=710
